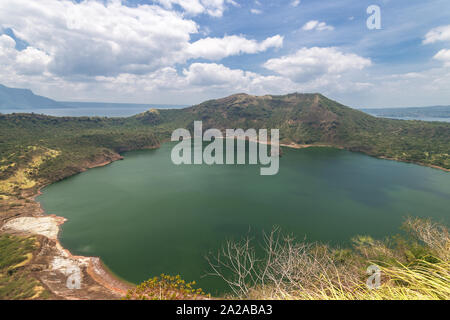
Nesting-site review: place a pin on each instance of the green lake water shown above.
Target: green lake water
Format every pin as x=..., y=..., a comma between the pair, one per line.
x=144, y=216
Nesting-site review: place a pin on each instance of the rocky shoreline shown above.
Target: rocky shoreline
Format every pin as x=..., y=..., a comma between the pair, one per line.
x=52, y=264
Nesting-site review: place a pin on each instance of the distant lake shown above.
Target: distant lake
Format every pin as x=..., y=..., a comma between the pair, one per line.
x=436, y=113
x=145, y=216
x=94, y=109
x=413, y=118
x=420, y=118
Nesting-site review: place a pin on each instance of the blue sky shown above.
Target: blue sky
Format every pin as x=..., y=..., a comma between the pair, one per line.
x=187, y=51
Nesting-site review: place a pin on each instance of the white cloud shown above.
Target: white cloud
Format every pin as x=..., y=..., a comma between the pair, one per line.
x=130, y=53
x=443, y=55
x=295, y=3
x=217, y=77
x=213, y=8
x=28, y=61
x=32, y=61
x=425, y=88
x=317, y=25
x=7, y=48
x=255, y=11
x=199, y=80
x=441, y=33
x=311, y=63
x=234, y=3
x=124, y=39
x=210, y=74
x=218, y=48
x=202, y=81
x=69, y=39
x=162, y=79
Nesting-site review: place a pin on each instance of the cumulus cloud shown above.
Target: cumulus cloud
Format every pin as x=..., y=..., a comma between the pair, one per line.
x=161, y=79
x=219, y=78
x=438, y=34
x=32, y=61
x=199, y=80
x=74, y=54
x=317, y=25
x=211, y=74
x=7, y=48
x=311, y=63
x=79, y=42
x=218, y=48
x=28, y=61
x=206, y=80
x=70, y=39
x=444, y=56
x=441, y=33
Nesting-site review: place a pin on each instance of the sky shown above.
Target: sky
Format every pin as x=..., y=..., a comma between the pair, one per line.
x=188, y=51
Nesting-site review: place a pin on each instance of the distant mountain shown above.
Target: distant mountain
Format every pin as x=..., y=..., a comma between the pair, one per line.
x=25, y=101
x=23, y=98
x=426, y=113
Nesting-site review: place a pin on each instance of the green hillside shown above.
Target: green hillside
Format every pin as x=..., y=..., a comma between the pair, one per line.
x=38, y=149
x=315, y=119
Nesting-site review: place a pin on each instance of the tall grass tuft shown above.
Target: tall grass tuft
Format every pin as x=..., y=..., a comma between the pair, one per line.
x=415, y=267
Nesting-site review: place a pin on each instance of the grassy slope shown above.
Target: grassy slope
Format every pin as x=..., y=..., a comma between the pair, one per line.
x=62, y=146
x=15, y=280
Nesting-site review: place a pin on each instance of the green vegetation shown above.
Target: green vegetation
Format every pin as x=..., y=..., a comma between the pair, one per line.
x=315, y=119
x=38, y=149
x=166, y=287
x=415, y=266
x=15, y=282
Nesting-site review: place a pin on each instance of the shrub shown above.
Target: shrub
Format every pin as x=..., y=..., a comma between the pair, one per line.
x=165, y=287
